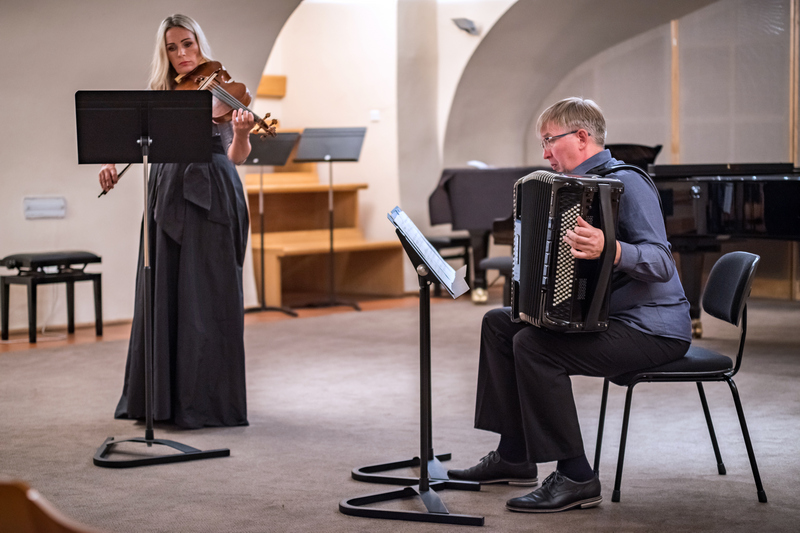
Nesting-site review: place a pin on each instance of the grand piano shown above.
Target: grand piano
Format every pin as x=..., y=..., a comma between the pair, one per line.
x=707, y=205
x=704, y=207
x=472, y=199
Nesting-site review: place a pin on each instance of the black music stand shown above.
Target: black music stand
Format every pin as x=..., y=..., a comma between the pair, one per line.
x=430, y=267
x=145, y=126
x=272, y=151
x=330, y=144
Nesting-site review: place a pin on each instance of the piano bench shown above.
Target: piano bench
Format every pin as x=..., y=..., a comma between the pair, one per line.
x=45, y=268
x=504, y=265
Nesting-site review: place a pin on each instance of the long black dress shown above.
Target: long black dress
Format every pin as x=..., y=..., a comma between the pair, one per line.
x=198, y=224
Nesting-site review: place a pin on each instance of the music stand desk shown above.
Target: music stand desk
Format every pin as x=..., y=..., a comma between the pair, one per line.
x=157, y=127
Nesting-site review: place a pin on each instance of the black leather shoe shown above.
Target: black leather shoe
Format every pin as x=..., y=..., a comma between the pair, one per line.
x=558, y=493
x=495, y=469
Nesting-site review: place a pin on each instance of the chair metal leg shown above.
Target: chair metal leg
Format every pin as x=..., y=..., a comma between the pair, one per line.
x=720, y=464
x=762, y=496
x=32, y=311
x=98, y=306
x=600, y=425
x=4, y=292
x=622, y=439
x=70, y=307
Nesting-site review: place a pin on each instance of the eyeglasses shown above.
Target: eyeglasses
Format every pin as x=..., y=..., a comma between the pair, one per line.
x=547, y=142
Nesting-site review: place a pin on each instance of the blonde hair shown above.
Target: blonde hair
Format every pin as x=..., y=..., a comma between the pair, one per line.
x=574, y=114
x=162, y=74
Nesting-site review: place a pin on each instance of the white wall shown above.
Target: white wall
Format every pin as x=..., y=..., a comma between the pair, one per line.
x=340, y=60
x=55, y=48
x=631, y=83
x=457, y=46
x=734, y=86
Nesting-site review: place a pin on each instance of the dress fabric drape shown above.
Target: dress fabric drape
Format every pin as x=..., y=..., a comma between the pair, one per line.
x=198, y=222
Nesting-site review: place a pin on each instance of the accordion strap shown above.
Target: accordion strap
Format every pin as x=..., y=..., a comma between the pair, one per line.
x=607, y=259
x=597, y=171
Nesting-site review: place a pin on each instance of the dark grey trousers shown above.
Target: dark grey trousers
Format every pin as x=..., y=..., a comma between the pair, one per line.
x=524, y=386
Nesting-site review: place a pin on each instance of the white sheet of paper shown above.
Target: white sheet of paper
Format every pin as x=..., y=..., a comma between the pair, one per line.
x=453, y=281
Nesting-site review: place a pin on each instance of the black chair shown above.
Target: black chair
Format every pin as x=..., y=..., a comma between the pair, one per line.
x=635, y=154
x=725, y=297
x=504, y=265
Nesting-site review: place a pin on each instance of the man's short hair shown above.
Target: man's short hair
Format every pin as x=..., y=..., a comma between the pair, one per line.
x=573, y=114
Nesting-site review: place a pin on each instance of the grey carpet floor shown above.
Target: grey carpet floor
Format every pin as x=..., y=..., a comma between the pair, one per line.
x=331, y=393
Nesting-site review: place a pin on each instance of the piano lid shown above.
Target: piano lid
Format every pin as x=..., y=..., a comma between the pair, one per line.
x=720, y=169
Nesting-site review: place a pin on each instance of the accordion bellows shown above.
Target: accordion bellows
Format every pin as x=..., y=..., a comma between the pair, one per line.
x=550, y=288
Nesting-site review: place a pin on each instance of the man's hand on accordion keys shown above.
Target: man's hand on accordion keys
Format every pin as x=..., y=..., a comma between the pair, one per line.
x=587, y=242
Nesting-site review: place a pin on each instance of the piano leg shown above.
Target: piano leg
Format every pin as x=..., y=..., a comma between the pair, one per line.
x=480, y=248
x=692, y=278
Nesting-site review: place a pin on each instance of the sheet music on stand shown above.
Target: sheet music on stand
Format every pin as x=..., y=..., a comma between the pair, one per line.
x=454, y=281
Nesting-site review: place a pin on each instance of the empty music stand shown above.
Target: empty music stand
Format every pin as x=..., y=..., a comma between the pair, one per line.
x=330, y=144
x=145, y=126
x=430, y=267
x=272, y=151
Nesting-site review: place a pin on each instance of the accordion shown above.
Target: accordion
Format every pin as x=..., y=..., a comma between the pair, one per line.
x=550, y=288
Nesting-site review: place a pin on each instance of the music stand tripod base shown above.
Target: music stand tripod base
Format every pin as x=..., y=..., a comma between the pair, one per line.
x=331, y=303
x=187, y=453
x=436, y=510
x=436, y=472
x=285, y=310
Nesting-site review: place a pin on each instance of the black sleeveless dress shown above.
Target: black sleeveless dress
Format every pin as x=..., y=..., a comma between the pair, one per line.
x=198, y=223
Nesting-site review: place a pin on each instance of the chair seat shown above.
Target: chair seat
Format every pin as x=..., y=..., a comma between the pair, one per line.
x=696, y=361
x=448, y=242
x=504, y=264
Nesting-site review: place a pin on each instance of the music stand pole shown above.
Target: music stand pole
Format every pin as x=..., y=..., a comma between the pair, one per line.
x=333, y=301
x=263, y=305
x=145, y=142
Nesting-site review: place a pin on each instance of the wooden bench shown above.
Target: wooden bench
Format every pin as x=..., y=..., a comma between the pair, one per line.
x=297, y=240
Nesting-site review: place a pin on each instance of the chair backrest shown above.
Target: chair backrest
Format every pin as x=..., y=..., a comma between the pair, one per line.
x=635, y=154
x=728, y=286
x=24, y=510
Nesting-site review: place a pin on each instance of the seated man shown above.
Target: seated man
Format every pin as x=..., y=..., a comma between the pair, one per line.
x=524, y=387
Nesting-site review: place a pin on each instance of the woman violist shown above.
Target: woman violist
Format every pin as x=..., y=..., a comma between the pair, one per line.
x=197, y=225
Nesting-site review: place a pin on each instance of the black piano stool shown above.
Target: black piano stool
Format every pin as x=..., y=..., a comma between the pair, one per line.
x=32, y=273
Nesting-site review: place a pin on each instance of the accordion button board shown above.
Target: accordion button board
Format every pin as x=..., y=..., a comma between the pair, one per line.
x=551, y=288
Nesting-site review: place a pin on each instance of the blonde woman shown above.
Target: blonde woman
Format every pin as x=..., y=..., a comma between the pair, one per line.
x=197, y=226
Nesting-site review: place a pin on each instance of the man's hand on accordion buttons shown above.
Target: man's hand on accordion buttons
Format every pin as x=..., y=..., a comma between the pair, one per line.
x=586, y=241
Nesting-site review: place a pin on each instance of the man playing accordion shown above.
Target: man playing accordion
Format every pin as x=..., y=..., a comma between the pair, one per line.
x=524, y=389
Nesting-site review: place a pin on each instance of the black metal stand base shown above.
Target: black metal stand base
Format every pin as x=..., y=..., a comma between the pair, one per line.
x=436, y=472
x=285, y=310
x=187, y=453
x=436, y=510
x=333, y=302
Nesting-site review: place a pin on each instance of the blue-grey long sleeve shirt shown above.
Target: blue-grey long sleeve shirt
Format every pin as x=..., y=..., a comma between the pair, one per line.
x=646, y=292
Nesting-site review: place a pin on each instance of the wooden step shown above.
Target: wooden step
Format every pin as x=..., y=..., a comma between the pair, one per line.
x=300, y=187
x=360, y=266
x=318, y=242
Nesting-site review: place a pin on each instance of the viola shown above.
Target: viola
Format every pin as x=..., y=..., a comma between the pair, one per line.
x=229, y=94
